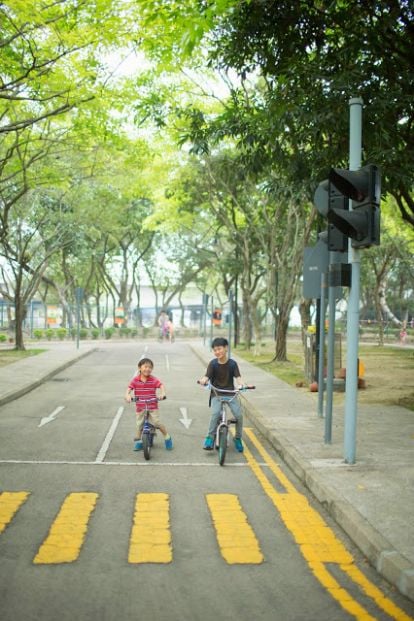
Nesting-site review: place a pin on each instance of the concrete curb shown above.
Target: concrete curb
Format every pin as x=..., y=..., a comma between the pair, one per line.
x=389, y=563
x=392, y=565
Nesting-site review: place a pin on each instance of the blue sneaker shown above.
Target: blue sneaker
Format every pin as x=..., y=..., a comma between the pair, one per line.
x=239, y=445
x=208, y=444
x=138, y=445
x=168, y=444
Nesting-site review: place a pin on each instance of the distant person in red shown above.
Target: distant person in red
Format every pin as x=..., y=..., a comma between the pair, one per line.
x=163, y=325
x=170, y=330
x=144, y=385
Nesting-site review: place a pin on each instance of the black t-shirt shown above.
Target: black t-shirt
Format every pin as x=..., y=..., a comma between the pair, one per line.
x=221, y=375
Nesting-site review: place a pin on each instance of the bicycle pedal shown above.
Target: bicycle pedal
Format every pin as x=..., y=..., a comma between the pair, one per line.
x=232, y=420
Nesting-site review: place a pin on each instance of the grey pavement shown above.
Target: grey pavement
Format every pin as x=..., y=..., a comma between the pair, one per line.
x=372, y=500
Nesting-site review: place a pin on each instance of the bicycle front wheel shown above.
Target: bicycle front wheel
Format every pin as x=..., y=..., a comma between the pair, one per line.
x=223, y=432
x=146, y=445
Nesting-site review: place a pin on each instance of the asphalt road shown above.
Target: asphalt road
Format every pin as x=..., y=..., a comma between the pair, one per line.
x=88, y=529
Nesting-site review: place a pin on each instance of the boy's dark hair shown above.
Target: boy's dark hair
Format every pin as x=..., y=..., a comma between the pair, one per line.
x=145, y=361
x=219, y=341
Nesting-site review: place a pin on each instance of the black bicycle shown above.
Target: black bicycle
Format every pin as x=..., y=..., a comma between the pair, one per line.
x=222, y=431
x=149, y=431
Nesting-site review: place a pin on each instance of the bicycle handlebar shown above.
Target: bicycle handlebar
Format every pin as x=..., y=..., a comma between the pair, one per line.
x=134, y=398
x=233, y=391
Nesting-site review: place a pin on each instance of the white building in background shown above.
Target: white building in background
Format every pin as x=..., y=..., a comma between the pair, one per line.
x=191, y=300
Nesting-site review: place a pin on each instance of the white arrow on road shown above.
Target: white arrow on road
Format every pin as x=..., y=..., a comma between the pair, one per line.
x=184, y=420
x=48, y=419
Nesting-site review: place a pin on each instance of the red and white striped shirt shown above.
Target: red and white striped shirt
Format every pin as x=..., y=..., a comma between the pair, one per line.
x=145, y=390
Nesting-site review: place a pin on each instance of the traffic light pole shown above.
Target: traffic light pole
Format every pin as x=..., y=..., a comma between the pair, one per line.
x=330, y=360
x=321, y=359
x=351, y=395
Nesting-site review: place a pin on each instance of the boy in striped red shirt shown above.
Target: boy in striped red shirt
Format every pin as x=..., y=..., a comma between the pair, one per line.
x=144, y=385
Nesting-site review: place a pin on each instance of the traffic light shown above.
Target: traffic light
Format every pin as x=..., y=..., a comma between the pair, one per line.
x=363, y=187
x=337, y=240
x=325, y=200
x=362, y=223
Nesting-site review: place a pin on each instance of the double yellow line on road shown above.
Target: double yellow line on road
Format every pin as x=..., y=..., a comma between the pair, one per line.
x=150, y=540
x=317, y=541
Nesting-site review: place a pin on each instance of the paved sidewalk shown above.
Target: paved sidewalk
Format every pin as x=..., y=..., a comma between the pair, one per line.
x=18, y=378
x=373, y=500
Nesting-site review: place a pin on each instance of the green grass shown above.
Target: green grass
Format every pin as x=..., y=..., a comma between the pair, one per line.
x=389, y=370
x=8, y=356
x=291, y=371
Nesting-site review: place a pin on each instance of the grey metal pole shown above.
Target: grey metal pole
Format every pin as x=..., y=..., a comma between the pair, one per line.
x=236, y=321
x=211, y=320
x=351, y=391
x=230, y=319
x=321, y=345
x=204, y=318
x=330, y=363
x=31, y=318
x=78, y=302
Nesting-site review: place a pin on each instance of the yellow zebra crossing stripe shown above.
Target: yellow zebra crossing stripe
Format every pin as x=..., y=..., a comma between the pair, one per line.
x=150, y=540
x=67, y=533
x=317, y=541
x=10, y=502
x=235, y=536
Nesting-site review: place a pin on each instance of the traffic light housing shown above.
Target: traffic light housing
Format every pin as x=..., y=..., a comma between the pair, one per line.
x=325, y=200
x=363, y=187
x=337, y=240
x=362, y=223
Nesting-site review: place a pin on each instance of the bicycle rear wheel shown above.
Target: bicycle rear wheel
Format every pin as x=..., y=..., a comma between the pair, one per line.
x=223, y=432
x=146, y=445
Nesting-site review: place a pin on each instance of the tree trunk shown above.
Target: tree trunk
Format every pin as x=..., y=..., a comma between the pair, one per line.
x=281, y=338
x=247, y=324
x=379, y=316
x=257, y=331
x=382, y=297
x=20, y=314
x=305, y=320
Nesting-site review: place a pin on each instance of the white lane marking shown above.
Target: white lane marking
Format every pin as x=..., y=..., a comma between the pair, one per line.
x=167, y=362
x=48, y=419
x=185, y=420
x=143, y=354
x=125, y=463
x=103, y=450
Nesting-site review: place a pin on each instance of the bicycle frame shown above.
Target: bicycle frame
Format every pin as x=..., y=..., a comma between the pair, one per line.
x=221, y=433
x=148, y=430
x=225, y=421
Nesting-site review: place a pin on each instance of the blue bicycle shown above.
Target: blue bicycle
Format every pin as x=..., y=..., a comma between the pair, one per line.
x=149, y=431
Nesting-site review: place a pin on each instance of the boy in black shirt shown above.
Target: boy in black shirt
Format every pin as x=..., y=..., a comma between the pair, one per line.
x=221, y=372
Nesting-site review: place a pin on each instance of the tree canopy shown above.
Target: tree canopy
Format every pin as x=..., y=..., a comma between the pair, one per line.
x=199, y=129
